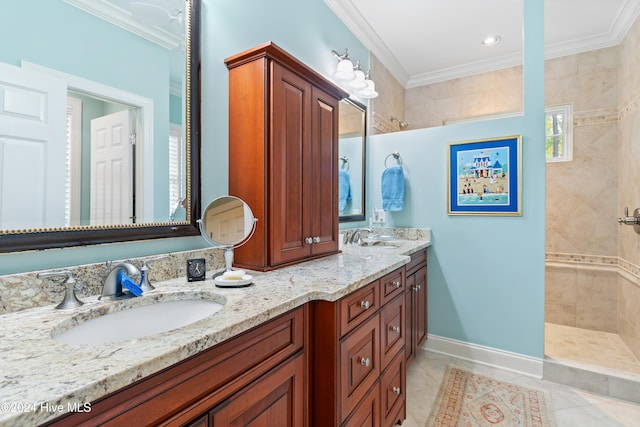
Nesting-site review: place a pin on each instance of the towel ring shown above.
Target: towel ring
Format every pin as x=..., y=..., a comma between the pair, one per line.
x=396, y=156
x=345, y=163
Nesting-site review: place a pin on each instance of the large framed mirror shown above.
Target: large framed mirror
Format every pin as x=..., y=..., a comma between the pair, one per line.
x=351, y=162
x=99, y=122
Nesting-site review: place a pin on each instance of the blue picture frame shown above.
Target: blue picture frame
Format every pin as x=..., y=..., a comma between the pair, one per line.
x=485, y=177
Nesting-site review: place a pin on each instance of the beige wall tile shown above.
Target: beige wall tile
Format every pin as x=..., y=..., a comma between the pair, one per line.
x=597, y=299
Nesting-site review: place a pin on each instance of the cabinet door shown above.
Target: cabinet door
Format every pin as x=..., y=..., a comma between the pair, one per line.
x=290, y=154
x=277, y=399
x=410, y=342
x=324, y=173
x=420, y=307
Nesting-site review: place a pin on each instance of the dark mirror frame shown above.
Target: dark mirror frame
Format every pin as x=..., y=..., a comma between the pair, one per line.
x=69, y=237
x=362, y=216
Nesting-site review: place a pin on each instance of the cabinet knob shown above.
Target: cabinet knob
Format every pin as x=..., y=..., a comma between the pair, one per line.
x=365, y=304
x=308, y=240
x=396, y=390
x=396, y=284
x=316, y=239
x=365, y=361
x=396, y=329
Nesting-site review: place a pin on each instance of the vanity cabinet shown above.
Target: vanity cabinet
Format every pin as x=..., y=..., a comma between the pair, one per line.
x=357, y=358
x=260, y=371
x=416, y=303
x=283, y=156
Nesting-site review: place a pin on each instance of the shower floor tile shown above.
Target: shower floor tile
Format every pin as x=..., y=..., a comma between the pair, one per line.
x=605, y=349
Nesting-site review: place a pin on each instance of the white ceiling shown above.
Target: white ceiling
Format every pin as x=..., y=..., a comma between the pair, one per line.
x=426, y=41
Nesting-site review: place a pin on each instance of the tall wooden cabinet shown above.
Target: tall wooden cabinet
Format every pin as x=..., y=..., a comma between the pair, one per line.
x=283, y=156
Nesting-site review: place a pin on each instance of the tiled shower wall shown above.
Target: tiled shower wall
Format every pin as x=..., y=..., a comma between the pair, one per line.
x=593, y=269
x=628, y=182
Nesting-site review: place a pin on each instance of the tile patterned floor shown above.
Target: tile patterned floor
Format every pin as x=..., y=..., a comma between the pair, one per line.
x=593, y=347
x=572, y=407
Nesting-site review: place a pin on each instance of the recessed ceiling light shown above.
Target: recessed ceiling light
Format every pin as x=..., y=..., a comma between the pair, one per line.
x=491, y=41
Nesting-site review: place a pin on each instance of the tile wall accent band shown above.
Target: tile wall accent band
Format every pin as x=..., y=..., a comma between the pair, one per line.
x=595, y=117
x=625, y=268
x=633, y=105
x=581, y=259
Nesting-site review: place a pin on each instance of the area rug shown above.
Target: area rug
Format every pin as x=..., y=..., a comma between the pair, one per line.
x=471, y=400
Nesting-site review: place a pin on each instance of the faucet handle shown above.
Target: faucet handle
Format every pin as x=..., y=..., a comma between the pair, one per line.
x=70, y=299
x=145, y=284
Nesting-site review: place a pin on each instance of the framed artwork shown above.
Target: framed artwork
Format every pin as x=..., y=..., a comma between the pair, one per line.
x=485, y=177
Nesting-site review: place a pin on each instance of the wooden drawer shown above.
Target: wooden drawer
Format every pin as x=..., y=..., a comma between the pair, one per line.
x=358, y=306
x=392, y=329
x=186, y=390
x=359, y=364
x=418, y=259
x=367, y=414
x=393, y=393
x=391, y=285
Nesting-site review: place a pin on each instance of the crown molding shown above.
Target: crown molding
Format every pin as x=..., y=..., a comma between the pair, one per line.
x=360, y=28
x=123, y=19
x=351, y=17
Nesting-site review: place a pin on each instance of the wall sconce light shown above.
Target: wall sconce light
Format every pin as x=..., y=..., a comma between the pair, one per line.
x=344, y=70
x=353, y=77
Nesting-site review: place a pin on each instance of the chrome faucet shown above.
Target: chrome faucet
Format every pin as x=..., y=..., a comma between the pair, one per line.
x=355, y=236
x=112, y=288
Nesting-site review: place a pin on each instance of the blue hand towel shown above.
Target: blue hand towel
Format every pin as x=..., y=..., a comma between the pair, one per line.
x=344, y=189
x=393, y=189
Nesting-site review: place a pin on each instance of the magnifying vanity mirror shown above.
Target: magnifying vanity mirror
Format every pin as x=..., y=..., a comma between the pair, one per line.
x=99, y=122
x=228, y=222
x=351, y=163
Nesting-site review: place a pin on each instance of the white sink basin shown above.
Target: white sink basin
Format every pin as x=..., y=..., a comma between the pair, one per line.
x=139, y=322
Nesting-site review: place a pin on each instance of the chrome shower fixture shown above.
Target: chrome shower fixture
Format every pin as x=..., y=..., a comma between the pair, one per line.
x=401, y=124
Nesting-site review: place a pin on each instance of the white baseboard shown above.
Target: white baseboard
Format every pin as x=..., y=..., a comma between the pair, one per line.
x=490, y=356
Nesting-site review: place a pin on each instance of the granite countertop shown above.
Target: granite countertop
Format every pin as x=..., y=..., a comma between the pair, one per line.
x=45, y=378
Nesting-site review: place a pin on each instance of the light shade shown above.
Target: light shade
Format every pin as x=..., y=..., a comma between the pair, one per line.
x=370, y=91
x=344, y=71
x=359, y=82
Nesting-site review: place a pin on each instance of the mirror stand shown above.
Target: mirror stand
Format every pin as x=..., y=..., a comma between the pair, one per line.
x=228, y=223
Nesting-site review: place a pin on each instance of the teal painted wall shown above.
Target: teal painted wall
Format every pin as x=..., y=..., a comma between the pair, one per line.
x=486, y=274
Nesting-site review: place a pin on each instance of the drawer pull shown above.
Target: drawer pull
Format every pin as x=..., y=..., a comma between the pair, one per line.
x=308, y=240
x=316, y=239
x=365, y=361
x=396, y=284
x=396, y=390
x=365, y=304
x=396, y=329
